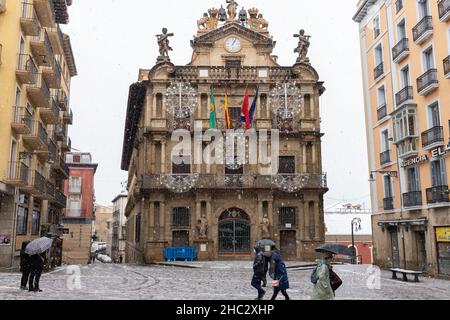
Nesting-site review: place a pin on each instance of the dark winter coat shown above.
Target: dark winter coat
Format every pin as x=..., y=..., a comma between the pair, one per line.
x=37, y=262
x=259, y=264
x=25, y=261
x=278, y=271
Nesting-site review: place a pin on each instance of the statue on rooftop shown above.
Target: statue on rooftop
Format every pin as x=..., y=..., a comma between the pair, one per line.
x=163, y=43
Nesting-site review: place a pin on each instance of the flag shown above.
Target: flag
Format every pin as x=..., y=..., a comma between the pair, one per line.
x=245, y=117
x=253, y=108
x=212, y=115
x=227, y=113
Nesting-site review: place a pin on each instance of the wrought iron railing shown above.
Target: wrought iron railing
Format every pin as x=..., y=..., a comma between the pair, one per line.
x=60, y=198
x=21, y=115
x=444, y=8
x=398, y=6
x=404, y=95
x=388, y=203
x=42, y=133
x=412, y=199
x=433, y=135
x=437, y=194
x=379, y=70
x=39, y=183
x=19, y=171
x=427, y=79
x=385, y=157
x=26, y=63
x=400, y=48
x=426, y=24
x=382, y=112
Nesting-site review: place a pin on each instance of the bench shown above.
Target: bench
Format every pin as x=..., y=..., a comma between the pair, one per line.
x=405, y=272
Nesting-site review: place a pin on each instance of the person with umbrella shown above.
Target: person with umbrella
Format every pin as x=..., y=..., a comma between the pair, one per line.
x=259, y=272
x=36, y=249
x=25, y=266
x=279, y=275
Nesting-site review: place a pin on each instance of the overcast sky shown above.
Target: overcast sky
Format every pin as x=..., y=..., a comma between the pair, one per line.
x=112, y=39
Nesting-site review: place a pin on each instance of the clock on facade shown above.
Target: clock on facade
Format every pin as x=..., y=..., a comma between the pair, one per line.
x=233, y=44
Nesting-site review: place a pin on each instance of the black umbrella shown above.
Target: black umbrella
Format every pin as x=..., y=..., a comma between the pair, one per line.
x=335, y=248
x=262, y=244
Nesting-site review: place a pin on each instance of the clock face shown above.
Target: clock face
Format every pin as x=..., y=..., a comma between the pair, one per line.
x=233, y=44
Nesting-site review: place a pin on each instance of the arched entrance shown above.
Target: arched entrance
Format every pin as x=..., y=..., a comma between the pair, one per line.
x=234, y=232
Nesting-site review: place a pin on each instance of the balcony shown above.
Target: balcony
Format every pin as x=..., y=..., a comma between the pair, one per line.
x=444, y=10
x=52, y=149
x=29, y=20
x=182, y=124
x=408, y=147
x=398, y=6
x=382, y=112
x=38, y=188
x=45, y=12
x=52, y=74
x=379, y=71
x=412, y=199
x=423, y=30
x=42, y=49
x=401, y=50
x=26, y=72
x=427, y=82
x=50, y=114
x=50, y=191
x=63, y=100
x=61, y=12
x=388, y=203
x=60, y=132
x=66, y=145
x=37, y=139
x=61, y=169
x=60, y=199
x=404, y=96
x=433, y=137
x=68, y=117
x=438, y=194
x=19, y=174
x=39, y=93
x=447, y=67
x=22, y=120
x=227, y=182
x=385, y=157
x=56, y=39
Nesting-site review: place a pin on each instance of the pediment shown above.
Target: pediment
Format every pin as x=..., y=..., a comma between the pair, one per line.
x=208, y=39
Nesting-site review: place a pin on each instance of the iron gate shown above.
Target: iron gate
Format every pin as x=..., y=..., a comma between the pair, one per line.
x=234, y=232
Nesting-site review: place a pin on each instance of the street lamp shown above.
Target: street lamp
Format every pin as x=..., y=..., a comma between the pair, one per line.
x=356, y=226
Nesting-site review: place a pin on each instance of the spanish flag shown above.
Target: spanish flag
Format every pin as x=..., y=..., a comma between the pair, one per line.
x=245, y=115
x=212, y=115
x=227, y=113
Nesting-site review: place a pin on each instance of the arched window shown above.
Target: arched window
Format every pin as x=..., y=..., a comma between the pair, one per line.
x=234, y=231
x=159, y=105
x=307, y=106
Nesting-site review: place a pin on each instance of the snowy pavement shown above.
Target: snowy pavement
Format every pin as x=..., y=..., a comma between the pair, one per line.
x=209, y=281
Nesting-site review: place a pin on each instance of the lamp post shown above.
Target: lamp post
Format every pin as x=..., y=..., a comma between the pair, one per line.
x=356, y=226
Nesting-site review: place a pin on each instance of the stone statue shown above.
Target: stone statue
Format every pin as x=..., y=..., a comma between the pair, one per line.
x=203, y=227
x=202, y=23
x=222, y=14
x=243, y=16
x=303, y=46
x=265, y=227
x=263, y=23
x=163, y=42
x=232, y=9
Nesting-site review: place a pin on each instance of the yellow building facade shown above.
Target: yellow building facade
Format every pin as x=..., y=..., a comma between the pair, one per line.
x=405, y=47
x=36, y=67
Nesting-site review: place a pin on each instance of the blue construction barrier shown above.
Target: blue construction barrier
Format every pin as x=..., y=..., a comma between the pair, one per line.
x=180, y=253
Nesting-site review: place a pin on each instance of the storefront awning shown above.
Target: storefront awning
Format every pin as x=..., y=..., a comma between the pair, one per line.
x=410, y=222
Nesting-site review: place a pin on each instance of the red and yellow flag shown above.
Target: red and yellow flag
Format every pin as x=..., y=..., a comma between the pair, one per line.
x=227, y=113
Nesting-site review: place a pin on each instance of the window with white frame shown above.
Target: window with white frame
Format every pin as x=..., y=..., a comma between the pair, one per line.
x=438, y=172
x=378, y=55
x=434, y=119
x=424, y=9
x=404, y=77
x=385, y=140
x=401, y=30
x=428, y=59
x=381, y=93
x=376, y=27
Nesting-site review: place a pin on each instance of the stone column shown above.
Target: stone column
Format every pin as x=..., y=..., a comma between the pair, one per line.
x=317, y=221
x=209, y=217
x=162, y=220
x=314, y=157
x=163, y=156
x=153, y=157
x=304, y=158
x=260, y=218
x=306, y=221
x=151, y=220
x=154, y=106
x=271, y=217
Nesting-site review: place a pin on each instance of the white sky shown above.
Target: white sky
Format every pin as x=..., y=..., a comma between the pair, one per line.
x=112, y=39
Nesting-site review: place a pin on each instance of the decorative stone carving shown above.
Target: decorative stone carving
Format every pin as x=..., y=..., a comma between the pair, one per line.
x=232, y=9
x=163, y=43
x=203, y=227
x=265, y=223
x=243, y=16
x=303, y=46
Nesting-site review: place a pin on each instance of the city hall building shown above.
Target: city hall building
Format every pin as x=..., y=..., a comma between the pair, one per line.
x=222, y=209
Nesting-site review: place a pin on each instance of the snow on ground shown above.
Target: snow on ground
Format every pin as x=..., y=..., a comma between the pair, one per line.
x=208, y=281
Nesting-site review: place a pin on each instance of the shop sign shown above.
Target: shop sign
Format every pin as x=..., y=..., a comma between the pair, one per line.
x=443, y=234
x=438, y=152
x=414, y=161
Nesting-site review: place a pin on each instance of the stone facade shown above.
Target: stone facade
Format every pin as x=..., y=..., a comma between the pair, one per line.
x=222, y=214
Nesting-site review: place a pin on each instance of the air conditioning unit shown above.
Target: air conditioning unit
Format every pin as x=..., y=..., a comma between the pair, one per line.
x=2, y=6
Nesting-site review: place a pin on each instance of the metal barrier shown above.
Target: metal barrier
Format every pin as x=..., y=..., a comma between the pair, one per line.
x=180, y=253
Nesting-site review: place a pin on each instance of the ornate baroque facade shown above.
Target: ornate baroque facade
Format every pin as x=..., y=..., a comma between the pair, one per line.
x=223, y=210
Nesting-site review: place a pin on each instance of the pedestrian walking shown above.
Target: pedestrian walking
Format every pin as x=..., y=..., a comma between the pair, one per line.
x=37, y=266
x=279, y=275
x=25, y=266
x=321, y=279
x=258, y=272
